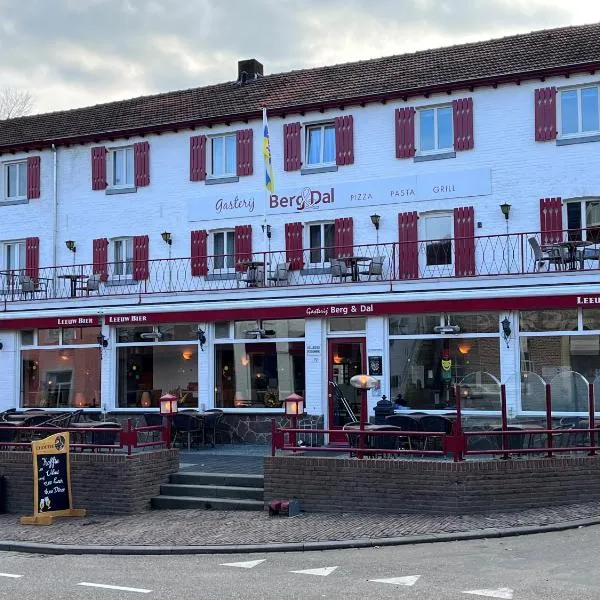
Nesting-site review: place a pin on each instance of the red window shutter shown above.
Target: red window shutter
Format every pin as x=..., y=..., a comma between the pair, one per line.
x=294, y=253
x=99, y=168
x=32, y=258
x=242, y=245
x=344, y=237
x=198, y=158
x=141, y=161
x=405, y=132
x=551, y=220
x=545, y=114
x=244, y=152
x=140, y=257
x=408, y=238
x=33, y=177
x=199, y=253
x=462, y=113
x=100, y=258
x=464, y=241
x=292, y=159
x=344, y=140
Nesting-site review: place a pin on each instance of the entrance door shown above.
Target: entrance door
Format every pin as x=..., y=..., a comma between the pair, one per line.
x=346, y=359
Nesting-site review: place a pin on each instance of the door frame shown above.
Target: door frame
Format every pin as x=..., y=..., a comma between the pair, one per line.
x=335, y=437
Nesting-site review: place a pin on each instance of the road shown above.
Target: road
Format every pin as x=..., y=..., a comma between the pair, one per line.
x=549, y=566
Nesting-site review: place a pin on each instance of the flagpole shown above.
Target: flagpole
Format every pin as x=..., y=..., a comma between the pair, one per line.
x=269, y=185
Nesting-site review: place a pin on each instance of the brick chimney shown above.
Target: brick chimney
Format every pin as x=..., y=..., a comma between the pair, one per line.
x=249, y=69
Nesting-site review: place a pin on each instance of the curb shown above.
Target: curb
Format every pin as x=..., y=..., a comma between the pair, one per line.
x=41, y=548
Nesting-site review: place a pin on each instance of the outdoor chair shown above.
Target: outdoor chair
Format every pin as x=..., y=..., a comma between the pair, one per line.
x=212, y=418
x=589, y=254
x=384, y=442
x=7, y=434
x=188, y=425
x=435, y=424
x=513, y=441
x=406, y=423
x=554, y=256
x=253, y=277
x=340, y=270
x=92, y=284
x=153, y=419
x=375, y=268
x=30, y=286
x=106, y=438
x=281, y=274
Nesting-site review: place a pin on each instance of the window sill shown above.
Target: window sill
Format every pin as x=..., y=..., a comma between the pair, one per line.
x=220, y=276
x=116, y=281
x=316, y=271
x=578, y=139
x=218, y=180
x=436, y=156
x=317, y=169
x=111, y=191
x=14, y=201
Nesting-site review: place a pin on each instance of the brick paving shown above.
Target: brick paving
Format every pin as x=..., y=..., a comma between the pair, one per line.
x=196, y=527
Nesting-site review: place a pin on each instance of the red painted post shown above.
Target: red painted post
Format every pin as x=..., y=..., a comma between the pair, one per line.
x=168, y=431
x=592, y=423
x=457, y=427
x=294, y=425
x=363, y=421
x=504, y=421
x=549, y=418
x=129, y=436
x=273, y=434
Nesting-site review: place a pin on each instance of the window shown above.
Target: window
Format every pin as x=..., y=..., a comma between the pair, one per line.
x=121, y=167
x=223, y=249
x=16, y=180
x=320, y=144
x=579, y=111
x=321, y=241
x=583, y=220
x=437, y=233
x=123, y=257
x=14, y=256
x=435, y=129
x=222, y=156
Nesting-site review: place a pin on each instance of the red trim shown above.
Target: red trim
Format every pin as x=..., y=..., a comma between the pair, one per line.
x=548, y=302
x=140, y=257
x=464, y=241
x=98, y=168
x=462, y=114
x=405, y=132
x=32, y=258
x=344, y=140
x=100, y=258
x=292, y=159
x=141, y=161
x=408, y=237
x=242, y=245
x=493, y=80
x=33, y=177
x=244, y=152
x=545, y=114
x=199, y=253
x=344, y=237
x=198, y=158
x=294, y=253
x=551, y=220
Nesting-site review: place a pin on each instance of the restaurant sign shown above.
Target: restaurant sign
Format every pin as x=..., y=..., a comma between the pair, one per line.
x=343, y=195
x=588, y=300
x=339, y=310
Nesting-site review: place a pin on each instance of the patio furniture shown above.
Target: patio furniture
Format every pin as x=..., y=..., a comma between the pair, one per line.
x=281, y=274
x=29, y=285
x=187, y=424
x=406, y=423
x=339, y=270
x=92, y=284
x=375, y=268
x=435, y=424
x=553, y=256
x=212, y=418
x=253, y=274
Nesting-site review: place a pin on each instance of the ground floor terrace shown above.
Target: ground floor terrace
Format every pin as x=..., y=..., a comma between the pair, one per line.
x=246, y=360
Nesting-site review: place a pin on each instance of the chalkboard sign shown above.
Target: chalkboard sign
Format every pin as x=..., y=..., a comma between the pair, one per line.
x=51, y=481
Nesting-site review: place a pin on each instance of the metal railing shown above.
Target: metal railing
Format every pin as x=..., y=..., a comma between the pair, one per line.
x=482, y=256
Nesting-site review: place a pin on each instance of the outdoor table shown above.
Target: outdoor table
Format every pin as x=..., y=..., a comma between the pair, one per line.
x=572, y=246
x=353, y=262
x=252, y=268
x=73, y=278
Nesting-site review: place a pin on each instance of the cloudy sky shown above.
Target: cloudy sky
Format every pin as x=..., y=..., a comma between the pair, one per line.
x=71, y=53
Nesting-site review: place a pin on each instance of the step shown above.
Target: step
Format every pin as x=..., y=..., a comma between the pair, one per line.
x=179, y=502
x=228, y=479
x=212, y=491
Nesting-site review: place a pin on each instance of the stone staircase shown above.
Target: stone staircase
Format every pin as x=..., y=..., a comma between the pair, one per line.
x=216, y=491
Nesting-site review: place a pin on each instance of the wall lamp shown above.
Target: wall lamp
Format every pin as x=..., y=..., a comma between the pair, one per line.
x=1, y=345
x=102, y=340
x=506, y=330
x=505, y=208
x=201, y=338
x=267, y=228
x=167, y=238
x=375, y=220
x=70, y=244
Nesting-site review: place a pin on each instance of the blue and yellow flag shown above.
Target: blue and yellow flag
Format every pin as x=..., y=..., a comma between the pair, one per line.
x=269, y=182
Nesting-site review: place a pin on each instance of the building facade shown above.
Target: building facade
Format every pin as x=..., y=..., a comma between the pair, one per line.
x=435, y=220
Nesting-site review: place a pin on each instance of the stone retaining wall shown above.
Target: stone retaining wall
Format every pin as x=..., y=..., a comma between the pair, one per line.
x=435, y=487
x=102, y=483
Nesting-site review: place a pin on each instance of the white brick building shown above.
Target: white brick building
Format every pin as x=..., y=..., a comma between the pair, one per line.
x=290, y=293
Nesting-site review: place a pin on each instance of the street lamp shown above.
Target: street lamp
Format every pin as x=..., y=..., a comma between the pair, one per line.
x=294, y=406
x=364, y=383
x=168, y=408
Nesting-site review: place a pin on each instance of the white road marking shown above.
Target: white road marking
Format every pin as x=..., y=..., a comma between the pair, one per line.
x=114, y=587
x=11, y=575
x=244, y=565
x=407, y=580
x=323, y=572
x=505, y=593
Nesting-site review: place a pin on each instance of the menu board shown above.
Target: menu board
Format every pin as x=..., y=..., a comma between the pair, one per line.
x=51, y=481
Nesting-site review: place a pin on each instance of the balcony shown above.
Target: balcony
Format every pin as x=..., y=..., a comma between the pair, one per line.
x=509, y=256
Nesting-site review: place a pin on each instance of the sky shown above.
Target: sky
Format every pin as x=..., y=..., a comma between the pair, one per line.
x=71, y=53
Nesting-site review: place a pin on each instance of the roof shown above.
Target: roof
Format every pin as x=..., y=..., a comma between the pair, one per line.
x=547, y=52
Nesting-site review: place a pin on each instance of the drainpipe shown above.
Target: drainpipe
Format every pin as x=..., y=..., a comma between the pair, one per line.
x=55, y=217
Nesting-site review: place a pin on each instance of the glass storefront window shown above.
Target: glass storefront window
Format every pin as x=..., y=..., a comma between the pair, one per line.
x=475, y=322
x=591, y=319
x=60, y=378
x=285, y=328
x=241, y=329
x=222, y=330
x=145, y=373
x=80, y=335
x=178, y=332
x=48, y=337
x=413, y=324
x=548, y=320
x=258, y=374
x=27, y=337
x=133, y=334
x=347, y=324
x=421, y=380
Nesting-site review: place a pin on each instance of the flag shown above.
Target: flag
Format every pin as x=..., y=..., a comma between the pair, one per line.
x=269, y=182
